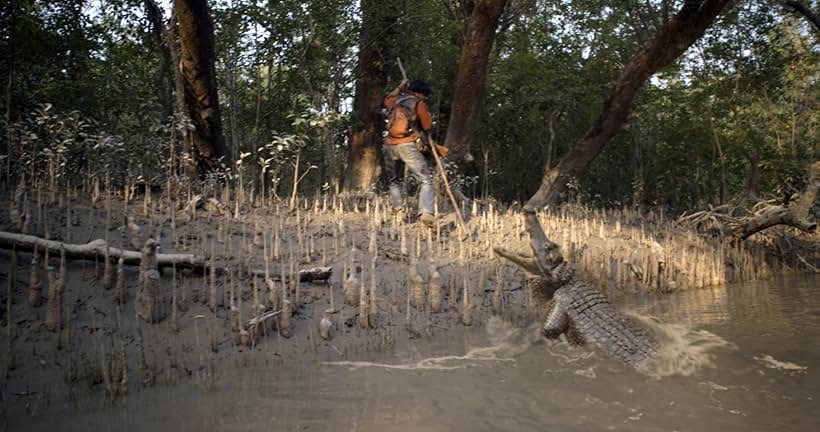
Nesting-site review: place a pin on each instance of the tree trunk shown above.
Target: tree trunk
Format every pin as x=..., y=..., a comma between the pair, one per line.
x=162, y=79
x=669, y=42
x=364, y=153
x=472, y=72
x=196, y=39
x=180, y=109
x=5, y=145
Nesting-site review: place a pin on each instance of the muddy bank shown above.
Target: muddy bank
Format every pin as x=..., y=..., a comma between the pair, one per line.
x=102, y=348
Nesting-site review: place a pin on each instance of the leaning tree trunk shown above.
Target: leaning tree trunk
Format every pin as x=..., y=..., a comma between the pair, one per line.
x=363, y=155
x=472, y=73
x=196, y=39
x=671, y=40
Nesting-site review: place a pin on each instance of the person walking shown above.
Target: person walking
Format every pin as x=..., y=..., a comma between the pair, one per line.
x=408, y=126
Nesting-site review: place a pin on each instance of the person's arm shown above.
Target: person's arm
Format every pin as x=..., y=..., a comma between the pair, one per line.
x=424, y=116
x=390, y=100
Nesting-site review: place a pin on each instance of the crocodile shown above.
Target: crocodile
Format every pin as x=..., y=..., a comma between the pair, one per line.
x=576, y=309
x=585, y=316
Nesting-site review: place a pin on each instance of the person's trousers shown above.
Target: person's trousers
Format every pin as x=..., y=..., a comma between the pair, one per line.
x=396, y=156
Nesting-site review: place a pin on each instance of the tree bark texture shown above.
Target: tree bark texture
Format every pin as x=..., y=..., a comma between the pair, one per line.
x=364, y=153
x=671, y=40
x=196, y=39
x=472, y=73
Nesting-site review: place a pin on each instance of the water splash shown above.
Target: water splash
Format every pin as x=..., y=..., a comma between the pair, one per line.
x=683, y=350
x=772, y=363
x=506, y=342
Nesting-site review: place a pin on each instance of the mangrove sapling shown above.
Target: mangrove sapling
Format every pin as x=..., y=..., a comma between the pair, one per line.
x=466, y=305
x=106, y=366
x=324, y=251
x=174, y=326
x=258, y=235
x=364, y=322
x=120, y=292
x=326, y=324
x=274, y=295
x=149, y=302
x=54, y=308
x=107, y=276
x=10, y=288
x=123, y=360
x=257, y=305
x=351, y=287
x=416, y=284
x=244, y=335
x=34, y=286
x=498, y=293
x=435, y=288
x=135, y=233
x=284, y=319
x=373, y=308
x=146, y=372
x=25, y=226
x=452, y=297
x=295, y=279
x=212, y=297
x=233, y=309
x=15, y=215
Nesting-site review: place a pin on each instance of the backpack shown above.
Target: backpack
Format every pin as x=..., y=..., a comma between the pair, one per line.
x=402, y=117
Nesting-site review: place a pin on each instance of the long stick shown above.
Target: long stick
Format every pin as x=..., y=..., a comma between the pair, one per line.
x=401, y=68
x=447, y=185
x=440, y=166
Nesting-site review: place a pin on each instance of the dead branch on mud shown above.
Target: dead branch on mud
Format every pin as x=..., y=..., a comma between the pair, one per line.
x=763, y=215
x=256, y=323
x=97, y=249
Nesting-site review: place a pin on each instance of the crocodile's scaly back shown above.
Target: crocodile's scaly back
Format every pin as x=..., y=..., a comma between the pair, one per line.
x=573, y=307
x=593, y=319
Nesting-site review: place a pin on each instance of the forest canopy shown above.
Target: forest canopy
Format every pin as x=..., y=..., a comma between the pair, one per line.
x=95, y=87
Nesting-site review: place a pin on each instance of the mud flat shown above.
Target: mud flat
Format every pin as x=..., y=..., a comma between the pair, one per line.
x=85, y=328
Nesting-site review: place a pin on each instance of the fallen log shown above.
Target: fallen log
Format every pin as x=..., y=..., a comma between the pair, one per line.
x=771, y=216
x=797, y=215
x=722, y=221
x=96, y=250
x=312, y=275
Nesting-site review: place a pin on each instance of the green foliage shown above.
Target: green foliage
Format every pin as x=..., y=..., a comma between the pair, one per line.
x=737, y=115
x=65, y=144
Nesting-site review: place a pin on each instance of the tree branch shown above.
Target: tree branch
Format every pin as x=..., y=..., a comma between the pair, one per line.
x=667, y=44
x=804, y=10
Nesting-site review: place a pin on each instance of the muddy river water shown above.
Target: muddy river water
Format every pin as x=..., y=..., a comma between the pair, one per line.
x=738, y=358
